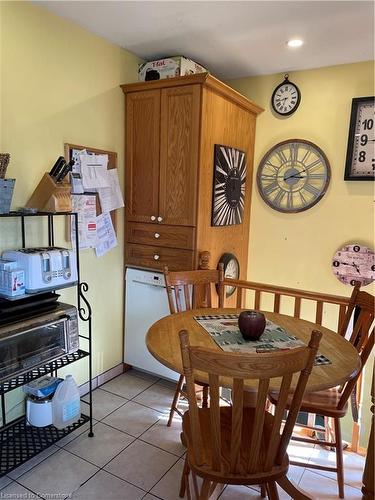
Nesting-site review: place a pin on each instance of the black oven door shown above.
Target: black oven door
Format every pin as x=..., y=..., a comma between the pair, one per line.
x=21, y=351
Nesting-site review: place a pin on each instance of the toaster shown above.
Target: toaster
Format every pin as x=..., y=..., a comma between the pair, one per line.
x=46, y=268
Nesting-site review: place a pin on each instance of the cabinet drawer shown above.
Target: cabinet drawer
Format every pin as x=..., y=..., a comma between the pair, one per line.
x=144, y=256
x=160, y=235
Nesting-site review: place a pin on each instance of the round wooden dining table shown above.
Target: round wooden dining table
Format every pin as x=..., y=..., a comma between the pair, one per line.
x=164, y=344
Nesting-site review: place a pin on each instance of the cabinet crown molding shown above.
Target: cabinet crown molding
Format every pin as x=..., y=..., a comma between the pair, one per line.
x=204, y=79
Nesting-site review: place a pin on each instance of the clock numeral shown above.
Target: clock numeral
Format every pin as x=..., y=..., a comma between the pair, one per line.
x=311, y=189
x=303, y=199
x=307, y=154
x=364, y=139
x=289, y=201
x=336, y=263
x=362, y=156
x=281, y=154
x=269, y=164
x=293, y=150
x=279, y=198
x=271, y=188
x=368, y=124
x=317, y=176
x=313, y=164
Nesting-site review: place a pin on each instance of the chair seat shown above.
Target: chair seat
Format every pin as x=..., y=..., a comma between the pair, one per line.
x=320, y=402
x=206, y=468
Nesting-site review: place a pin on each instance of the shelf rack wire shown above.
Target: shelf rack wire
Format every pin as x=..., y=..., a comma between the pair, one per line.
x=19, y=441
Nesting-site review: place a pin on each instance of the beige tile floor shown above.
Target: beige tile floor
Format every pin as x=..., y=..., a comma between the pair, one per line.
x=135, y=456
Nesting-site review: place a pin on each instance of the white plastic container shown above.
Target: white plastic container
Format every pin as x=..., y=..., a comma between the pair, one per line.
x=66, y=404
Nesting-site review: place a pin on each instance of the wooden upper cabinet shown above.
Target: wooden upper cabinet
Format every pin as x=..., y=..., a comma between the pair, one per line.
x=179, y=140
x=142, y=155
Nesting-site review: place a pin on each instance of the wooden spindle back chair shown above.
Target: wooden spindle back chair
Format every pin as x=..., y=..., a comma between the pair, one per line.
x=182, y=285
x=187, y=290
x=300, y=297
x=333, y=403
x=238, y=444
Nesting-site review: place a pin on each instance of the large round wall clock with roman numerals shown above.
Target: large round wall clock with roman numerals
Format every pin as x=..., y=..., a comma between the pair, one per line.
x=293, y=176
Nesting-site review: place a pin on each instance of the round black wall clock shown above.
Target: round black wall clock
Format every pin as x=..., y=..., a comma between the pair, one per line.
x=231, y=270
x=286, y=97
x=229, y=186
x=293, y=176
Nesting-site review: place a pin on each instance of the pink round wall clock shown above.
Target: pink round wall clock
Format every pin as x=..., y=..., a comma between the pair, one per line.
x=353, y=263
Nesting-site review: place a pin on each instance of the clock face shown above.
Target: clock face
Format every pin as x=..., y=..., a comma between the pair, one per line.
x=354, y=263
x=293, y=176
x=229, y=186
x=360, y=160
x=231, y=270
x=286, y=98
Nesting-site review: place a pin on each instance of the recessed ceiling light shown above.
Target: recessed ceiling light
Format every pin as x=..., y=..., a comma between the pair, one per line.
x=295, y=42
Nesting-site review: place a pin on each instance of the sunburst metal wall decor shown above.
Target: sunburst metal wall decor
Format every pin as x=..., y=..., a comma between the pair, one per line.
x=229, y=186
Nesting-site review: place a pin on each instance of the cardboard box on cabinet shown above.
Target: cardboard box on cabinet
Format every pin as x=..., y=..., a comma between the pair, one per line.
x=168, y=67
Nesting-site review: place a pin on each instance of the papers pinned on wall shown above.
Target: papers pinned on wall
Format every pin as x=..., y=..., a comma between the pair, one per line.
x=106, y=234
x=94, y=179
x=111, y=197
x=94, y=171
x=85, y=206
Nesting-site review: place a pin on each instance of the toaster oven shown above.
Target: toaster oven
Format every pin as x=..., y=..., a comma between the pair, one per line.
x=35, y=341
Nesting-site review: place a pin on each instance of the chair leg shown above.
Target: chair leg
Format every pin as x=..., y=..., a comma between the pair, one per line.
x=205, y=397
x=339, y=457
x=273, y=494
x=176, y=399
x=294, y=491
x=263, y=491
x=184, y=479
x=205, y=490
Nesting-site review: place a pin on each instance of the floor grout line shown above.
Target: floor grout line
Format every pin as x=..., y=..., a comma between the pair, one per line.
x=134, y=439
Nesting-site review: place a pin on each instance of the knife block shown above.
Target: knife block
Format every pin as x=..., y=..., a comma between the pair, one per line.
x=50, y=196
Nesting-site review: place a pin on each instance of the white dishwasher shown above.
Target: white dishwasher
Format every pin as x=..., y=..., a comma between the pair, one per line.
x=145, y=303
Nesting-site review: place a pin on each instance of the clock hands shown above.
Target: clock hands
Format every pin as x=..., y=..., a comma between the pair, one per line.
x=352, y=265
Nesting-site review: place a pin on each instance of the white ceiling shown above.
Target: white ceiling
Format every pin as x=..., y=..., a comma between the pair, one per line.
x=230, y=38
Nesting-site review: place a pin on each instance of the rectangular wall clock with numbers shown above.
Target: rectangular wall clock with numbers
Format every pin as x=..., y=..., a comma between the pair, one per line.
x=360, y=156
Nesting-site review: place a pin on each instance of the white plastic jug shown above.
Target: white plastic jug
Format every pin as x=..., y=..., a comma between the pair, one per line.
x=66, y=403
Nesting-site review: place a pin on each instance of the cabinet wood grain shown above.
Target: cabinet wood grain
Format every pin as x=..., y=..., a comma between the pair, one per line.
x=172, y=127
x=160, y=235
x=179, y=136
x=142, y=155
x=155, y=257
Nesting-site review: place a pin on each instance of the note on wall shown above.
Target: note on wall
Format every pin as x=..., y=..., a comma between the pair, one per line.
x=106, y=234
x=85, y=206
x=111, y=197
x=94, y=171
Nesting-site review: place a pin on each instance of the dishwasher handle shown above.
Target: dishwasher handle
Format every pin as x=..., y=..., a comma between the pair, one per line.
x=156, y=285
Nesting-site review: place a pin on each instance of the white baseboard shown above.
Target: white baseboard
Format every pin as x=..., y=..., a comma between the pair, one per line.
x=102, y=378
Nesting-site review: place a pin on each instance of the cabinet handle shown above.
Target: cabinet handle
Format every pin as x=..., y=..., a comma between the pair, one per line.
x=156, y=257
x=160, y=219
x=153, y=217
x=157, y=235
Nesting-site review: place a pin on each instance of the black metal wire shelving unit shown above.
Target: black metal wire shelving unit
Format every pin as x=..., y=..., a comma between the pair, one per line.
x=19, y=441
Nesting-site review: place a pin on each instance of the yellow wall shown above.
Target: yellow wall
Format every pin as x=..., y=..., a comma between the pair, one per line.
x=60, y=83
x=295, y=250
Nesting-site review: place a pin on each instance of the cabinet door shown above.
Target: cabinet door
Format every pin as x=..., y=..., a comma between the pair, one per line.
x=179, y=133
x=142, y=155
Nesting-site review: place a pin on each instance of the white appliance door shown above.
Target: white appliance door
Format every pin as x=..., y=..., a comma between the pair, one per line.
x=145, y=303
